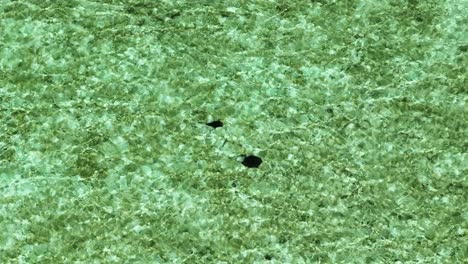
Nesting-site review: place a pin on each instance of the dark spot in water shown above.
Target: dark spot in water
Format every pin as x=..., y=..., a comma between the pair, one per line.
x=215, y=124
x=252, y=161
x=130, y=9
x=268, y=257
x=174, y=14
x=224, y=143
x=463, y=48
x=283, y=240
